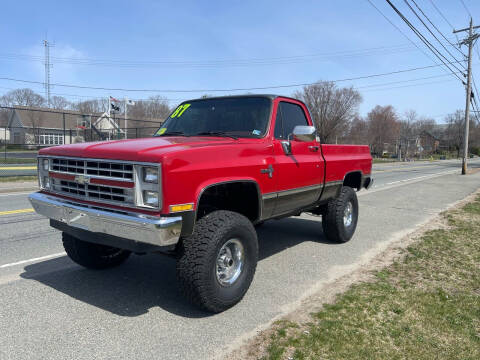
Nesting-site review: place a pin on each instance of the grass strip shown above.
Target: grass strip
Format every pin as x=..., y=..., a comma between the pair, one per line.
x=424, y=306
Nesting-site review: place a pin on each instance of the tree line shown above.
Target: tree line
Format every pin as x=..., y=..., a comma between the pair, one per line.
x=335, y=113
x=153, y=108
x=334, y=109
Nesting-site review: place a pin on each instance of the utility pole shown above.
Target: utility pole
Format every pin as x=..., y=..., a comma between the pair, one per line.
x=469, y=41
x=47, y=64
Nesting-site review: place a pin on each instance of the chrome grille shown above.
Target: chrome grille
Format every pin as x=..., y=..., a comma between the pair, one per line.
x=91, y=168
x=112, y=170
x=93, y=192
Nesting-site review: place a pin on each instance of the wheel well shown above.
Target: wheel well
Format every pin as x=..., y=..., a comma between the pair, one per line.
x=241, y=197
x=353, y=180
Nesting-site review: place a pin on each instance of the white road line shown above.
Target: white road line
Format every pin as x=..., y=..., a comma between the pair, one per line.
x=420, y=177
x=33, y=260
x=405, y=182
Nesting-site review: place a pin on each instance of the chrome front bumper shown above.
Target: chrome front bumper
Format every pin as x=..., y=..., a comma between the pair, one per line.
x=159, y=231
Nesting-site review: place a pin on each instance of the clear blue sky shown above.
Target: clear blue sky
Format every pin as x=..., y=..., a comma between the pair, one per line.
x=211, y=44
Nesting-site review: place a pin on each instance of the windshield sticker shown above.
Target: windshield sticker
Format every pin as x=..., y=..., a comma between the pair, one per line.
x=161, y=131
x=180, y=110
x=256, y=132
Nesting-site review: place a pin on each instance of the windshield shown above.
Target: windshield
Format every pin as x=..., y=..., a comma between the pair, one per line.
x=234, y=117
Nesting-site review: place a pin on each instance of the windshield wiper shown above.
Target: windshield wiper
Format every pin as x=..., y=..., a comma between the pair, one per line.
x=179, y=133
x=218, y=133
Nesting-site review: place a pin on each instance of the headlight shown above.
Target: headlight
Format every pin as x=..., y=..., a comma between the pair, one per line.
x=45, y=164
x=150, y=198
x=150, y=175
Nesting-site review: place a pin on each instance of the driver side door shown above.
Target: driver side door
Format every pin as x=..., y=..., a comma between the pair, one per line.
x=300, y=174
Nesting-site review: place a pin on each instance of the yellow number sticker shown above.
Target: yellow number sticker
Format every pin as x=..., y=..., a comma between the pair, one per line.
x=180, y=110
x=161, y=131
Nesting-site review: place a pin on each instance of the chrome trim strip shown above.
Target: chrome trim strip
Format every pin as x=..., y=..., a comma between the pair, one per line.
x=295, y=190
x=95, y=176
x=298, y=190
x=160, y=231
x=334, y=183
x=269, y=196
x=95, y=159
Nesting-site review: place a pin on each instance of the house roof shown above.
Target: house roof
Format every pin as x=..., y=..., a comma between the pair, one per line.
x=45, y=118
x=53, y=119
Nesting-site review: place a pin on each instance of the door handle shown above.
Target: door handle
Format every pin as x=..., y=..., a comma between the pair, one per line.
x=314, y=148
x=268, y=171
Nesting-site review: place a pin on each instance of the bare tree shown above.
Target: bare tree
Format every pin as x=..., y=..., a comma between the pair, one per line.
x=22, y=97
x=332, y=108
x=60, y=103
x=93, y=106
x=383, y=128
x=154, y=109
x=455, y=130
x=357, y=132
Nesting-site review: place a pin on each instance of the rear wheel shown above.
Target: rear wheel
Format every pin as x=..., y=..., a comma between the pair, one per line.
x=217, y=262
x=340, y=218
x=93, y=256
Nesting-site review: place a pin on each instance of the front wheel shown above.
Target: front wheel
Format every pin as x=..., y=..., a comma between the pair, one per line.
x=217, y=262
x=340, y=218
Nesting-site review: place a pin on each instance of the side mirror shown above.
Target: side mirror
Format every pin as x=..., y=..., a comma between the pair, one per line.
x=287, y=147
x=304, y=133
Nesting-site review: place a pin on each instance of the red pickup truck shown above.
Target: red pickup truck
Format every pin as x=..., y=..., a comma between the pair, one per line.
x=216, y=169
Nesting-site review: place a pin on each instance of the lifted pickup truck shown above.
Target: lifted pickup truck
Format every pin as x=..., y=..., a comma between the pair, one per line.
x=216, y=168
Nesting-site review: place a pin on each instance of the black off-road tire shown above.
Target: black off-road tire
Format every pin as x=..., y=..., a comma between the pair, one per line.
x=332, y=220
x=197, y=256
x=93, y=256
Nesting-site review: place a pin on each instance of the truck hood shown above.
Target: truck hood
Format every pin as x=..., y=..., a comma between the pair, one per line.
x=147, y=149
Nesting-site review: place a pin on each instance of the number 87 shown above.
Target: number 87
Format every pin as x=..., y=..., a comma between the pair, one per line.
x=180, y=110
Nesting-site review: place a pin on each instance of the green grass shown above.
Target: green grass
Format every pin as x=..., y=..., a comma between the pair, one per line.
x=4, y=179
x=425, y=306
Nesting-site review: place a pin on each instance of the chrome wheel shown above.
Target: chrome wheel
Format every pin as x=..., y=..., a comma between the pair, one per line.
x=348, y=215
x=230, y=261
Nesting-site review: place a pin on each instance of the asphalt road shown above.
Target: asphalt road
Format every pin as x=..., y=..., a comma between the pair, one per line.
x=52, y=308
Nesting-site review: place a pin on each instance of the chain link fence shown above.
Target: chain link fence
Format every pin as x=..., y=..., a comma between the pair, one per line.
x=24, y=131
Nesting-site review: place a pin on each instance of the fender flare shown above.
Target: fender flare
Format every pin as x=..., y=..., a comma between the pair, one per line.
x=220, y=181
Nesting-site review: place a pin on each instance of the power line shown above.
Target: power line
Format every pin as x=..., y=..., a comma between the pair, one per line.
x=224, y=90
x=356, y=87
x=216, y=63
x=443, y=16
x=466, y=9
x=400, y=31
x=431, y=32
x=432, y=48
x=436, y=28
x=412, y=85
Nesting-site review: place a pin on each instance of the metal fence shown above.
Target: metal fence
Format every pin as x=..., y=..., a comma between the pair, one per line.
x=24, y=131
